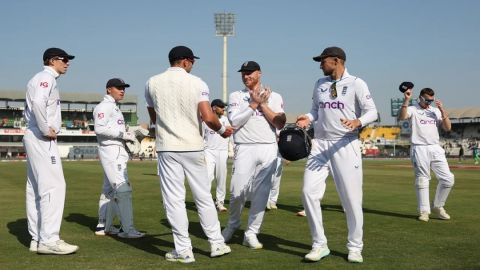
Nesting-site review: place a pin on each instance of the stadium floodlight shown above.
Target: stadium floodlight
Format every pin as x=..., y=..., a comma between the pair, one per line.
x=224, y=27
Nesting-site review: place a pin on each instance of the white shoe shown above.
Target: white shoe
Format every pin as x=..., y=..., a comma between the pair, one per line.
x=131, y=234
x=221, y=207
x=59, y=247
x=100, y=230
x=252, y=242
x=227, y=233
x=355, y=257
x=441, y=213
x=219, y=250
x=424, y=216
x=186, y=257
x=33, y=246
x=317, y=253
x=272, y=206
x=301, y=213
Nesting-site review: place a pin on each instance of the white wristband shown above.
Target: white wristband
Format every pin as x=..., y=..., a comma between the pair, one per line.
x=221, y=130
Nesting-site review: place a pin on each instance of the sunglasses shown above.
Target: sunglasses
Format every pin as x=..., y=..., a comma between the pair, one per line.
x=63, y=59
x=426, y=101
x=333, y=90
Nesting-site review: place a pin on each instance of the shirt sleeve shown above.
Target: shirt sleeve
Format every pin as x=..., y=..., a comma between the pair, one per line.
x=313, y=114
x=102, y=117
x=204, y=91
x=148, y=97
x=41, y=91
x=410, y=111
x=369, y=111
x=237, y=116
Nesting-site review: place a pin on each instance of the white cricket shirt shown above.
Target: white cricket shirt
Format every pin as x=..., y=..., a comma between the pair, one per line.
x=109, y=122
x=424, y=123
x=212, y=139
x=353, y=101
x=250, y=125
x=43, y=102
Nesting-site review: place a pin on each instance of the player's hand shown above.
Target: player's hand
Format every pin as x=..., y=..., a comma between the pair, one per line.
x=439, y=104
x=408, y=94
x=303, y=121
x=52, y=134
x=128, y=136
x=351, y=124
x=228, y=132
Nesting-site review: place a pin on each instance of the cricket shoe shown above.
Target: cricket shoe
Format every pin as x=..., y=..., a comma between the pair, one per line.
x=100, y=230
x=317, y=253
x=252, y=242
x=424, y=216
x=33, y=246
x=131, y=234
x=441, y=213
x=355, y=257
x=227, y=233
x=272, y=206
x=59, y=247
x=186, y=257
x=219, y=250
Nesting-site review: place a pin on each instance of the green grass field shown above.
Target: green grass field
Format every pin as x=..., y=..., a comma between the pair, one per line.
x=393, y=238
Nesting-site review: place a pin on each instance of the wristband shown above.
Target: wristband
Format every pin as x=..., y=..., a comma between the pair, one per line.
x=221, y=130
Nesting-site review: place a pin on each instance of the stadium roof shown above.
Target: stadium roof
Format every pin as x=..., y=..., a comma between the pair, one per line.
x=66, y=97
x=464, y=113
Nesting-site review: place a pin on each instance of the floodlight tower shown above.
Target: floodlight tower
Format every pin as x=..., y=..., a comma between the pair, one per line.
x=224, y=26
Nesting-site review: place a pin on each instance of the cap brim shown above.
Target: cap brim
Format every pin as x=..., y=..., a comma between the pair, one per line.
x=70, y=57
x=318, y=58
x=196, y=57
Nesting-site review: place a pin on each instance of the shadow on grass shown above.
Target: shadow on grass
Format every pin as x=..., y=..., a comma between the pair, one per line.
x=339, y=208
x=19, y=228
x=270, y=242
x=149, y=243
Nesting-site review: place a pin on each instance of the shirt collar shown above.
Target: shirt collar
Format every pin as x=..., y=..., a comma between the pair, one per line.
x=52, y=71
x=109, y=98
x=344, y=76
x=176, y=69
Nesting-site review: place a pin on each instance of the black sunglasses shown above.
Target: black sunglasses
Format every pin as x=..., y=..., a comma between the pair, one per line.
x=333, y=90
x=63, y=59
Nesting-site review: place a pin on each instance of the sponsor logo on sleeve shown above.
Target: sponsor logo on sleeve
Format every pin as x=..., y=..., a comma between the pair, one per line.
x=368, y=96
x=44, y=84
x=100, y=115
x=120, y=122
x=205, y=94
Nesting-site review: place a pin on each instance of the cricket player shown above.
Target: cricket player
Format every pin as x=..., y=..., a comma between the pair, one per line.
x=177, y=102
x=254, y=112
x=116, y=193
x=45, y=191
x=341, y=105
x=426, y=152
x=216, y=154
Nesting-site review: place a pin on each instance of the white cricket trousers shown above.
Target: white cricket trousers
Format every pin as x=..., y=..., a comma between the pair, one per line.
x=114, y=160
x=253, y=167
x=217, y=169
x=173, y=168
x=343, y=160
x=423, y=158
x=46, y=187
x=276, y=178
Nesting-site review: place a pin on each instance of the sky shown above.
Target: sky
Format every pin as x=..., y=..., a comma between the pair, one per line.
x=433, y=43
